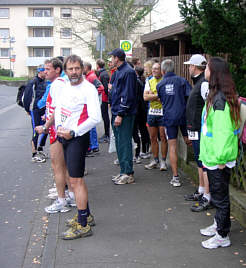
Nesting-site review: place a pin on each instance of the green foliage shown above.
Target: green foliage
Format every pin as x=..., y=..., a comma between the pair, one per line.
x=219, y=27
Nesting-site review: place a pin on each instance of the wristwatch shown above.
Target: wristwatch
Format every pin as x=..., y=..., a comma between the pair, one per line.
x=72, y=133
x=44, y=128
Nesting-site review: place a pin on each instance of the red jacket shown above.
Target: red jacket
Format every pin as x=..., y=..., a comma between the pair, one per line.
x=92, y=78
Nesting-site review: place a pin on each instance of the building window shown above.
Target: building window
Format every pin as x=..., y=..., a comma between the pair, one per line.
x=4, y=13
x=95, y=33
x=41, y=32
x=42, y=12
x=66, y=13
x=4, y=52
x=4, y=33
x=97, y=12
x=41, y=52
x=66, y=33
x=65, y=51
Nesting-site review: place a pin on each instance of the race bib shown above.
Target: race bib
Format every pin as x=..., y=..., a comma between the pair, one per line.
x=153, y=111
x=193, y=135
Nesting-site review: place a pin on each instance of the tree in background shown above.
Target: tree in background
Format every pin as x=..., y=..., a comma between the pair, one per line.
x=116, y=20
x=219, y=27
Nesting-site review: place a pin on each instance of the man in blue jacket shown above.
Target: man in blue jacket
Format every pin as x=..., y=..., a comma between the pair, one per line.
x=173, y=92
x=123, y=108
x=34, y=91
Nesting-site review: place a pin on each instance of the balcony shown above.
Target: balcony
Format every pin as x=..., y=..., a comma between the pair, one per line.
x=35, y=61
x=40, y=22
x=40, y=42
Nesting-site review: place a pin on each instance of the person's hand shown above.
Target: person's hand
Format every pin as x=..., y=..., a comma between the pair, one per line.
x=64, y=133
x=39, y=129
x=117, y=121
x=43, y=117
x=221, y=166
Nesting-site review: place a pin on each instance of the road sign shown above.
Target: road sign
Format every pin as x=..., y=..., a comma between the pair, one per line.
x=126, y=45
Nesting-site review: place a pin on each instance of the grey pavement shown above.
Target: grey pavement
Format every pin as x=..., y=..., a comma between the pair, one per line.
x=146, y=224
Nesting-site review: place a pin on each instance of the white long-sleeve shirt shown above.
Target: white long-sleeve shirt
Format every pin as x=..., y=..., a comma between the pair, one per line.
x=78, y=108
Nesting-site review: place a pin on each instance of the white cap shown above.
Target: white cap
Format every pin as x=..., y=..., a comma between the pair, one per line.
x=197, y=60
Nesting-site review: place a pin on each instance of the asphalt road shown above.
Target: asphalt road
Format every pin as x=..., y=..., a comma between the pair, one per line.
x=22, y=182
x=144, y=225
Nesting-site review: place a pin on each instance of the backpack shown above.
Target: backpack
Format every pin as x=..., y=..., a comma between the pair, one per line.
x=20, y=95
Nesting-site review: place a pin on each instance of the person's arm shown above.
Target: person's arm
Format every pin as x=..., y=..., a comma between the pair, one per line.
x=105, y=82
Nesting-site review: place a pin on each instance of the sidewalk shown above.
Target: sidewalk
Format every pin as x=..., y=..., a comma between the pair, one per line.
x=142, y=225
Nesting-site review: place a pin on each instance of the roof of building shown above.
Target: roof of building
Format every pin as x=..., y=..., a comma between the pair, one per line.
x=171, y=30
x=56, y=2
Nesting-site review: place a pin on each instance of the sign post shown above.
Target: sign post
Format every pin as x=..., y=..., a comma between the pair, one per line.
x=126, y=45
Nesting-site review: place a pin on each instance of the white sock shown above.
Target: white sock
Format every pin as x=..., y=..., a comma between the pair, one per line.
x=62, y=200
x=207, y=196
x=201, y=190
x=71, y=195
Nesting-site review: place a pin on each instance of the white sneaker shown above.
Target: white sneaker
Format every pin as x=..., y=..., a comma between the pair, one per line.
x=138, y=160
x=52, y=190
x=116, y=162
x=175, y=182
x=124, y=179
x=163, y=165
x=145, y=155
x=38, y=159
x=153, y=164
x=115, y=178
x=210, y=230
x=71, y=202
x=43, y=154
x=53, y=196
x=57, y=207
x=217, y=241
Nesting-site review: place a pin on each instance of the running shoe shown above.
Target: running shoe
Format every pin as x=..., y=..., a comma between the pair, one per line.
x=196, y=196
x=210, y=230
x=217, y=241
x=71, y=222
x=124, y=179
x=175, y=182
x=116, y=162
x=56, y=207
x=43, y=154
x=163, y=165
x=203, y=205
x=77, y=231
x=70, y=202
x=115, y=178
x=38, y=159
x=153, y=164
x=145, y=155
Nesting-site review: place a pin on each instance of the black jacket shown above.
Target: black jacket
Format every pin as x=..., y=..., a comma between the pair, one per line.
x=195, y=105
x=104, y=78
x=34, y=91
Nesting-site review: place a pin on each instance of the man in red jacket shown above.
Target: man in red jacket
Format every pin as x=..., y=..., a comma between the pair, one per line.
x=92, y=78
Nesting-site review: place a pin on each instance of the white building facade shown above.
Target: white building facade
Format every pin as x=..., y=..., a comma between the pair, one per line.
x=33, y=30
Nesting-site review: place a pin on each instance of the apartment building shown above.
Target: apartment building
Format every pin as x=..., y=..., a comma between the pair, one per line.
x=32, y=31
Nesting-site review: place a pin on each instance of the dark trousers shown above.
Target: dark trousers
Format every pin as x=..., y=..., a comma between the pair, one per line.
x=140, y=123
x=37, y=121
x=105, y=116
x=123, y=143
x=219, y=190
x=136, y=138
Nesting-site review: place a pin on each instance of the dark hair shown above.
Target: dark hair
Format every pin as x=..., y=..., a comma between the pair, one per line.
x=139, y=71
x=61, y=58
x=221, y=80
x=87, y=64
x=73, y=58
x=56, y=63
x=100, y=63
x=130, y=63
x=135, y=61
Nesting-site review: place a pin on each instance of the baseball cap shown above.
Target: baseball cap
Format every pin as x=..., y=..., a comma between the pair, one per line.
x=118, y=52
x=197, y=60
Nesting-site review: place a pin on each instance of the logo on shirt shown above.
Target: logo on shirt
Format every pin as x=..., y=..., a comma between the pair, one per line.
x=169, y=89
x=65, y=114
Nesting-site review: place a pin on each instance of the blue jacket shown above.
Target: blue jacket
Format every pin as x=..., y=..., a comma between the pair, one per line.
x=33, y=93
x=124, y=101
x=173, y=92
x=42, y=102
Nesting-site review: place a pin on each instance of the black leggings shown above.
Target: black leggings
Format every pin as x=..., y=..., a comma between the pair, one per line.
x=105, y=116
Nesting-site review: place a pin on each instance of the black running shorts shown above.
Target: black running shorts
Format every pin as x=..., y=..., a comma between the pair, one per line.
x=74, y=154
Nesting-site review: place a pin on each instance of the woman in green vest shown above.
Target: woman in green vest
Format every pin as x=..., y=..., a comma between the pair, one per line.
x=219, y=146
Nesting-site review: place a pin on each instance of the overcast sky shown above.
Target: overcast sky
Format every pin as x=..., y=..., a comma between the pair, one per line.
x=165, y=13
